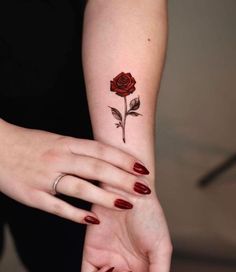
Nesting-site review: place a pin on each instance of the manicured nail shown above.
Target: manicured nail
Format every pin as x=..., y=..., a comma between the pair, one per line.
x=139, y=168
x=92, y=220
x=111, y=269
x=122, y=204
x=141, y=189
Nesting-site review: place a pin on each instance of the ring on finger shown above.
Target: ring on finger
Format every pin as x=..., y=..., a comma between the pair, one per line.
x=55, y=183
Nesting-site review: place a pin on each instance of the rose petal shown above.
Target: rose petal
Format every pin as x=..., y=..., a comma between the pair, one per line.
x=113, y=86
x=123, y=84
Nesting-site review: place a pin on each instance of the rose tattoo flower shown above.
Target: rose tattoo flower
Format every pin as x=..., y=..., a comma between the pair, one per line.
x=124, y=85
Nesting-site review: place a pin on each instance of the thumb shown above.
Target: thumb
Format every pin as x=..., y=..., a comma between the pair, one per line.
x=87, y=267
x=160, y=259
x=106, y=269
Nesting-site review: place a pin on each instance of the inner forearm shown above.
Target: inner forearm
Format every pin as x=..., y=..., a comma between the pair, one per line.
x=125, y=36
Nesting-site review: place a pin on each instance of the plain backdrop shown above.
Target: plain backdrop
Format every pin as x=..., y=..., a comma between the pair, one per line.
x=196, y=129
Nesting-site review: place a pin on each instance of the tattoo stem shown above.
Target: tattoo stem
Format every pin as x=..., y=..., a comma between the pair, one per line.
x=125, y=114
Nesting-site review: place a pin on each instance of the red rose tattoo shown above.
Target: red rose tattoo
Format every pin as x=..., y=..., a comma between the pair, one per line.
x=124, y=85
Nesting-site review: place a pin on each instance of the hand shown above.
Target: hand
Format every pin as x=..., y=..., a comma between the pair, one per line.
x=30, y=161
x=137, y=240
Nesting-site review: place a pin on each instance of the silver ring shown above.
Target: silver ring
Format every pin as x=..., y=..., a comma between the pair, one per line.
x=55, y=183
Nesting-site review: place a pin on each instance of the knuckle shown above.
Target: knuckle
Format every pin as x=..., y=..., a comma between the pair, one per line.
x=75, y=215
x=97, y=168
x=65, y=142
x=129, y=178
x=100, y=148
x=126, y=160
x=130, y=161
x=78, y=189
x=58, y=209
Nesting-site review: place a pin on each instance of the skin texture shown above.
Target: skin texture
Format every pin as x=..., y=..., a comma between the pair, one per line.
x=133, y=241
x=30, y=160
x=127, y=36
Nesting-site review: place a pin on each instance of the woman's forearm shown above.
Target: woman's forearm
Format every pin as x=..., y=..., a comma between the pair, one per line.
x=125, y=36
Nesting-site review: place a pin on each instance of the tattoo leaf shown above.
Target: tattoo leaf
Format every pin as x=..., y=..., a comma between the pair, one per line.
x=118, y=124
x=134, y=113
x=134, y=104
x=116, y=113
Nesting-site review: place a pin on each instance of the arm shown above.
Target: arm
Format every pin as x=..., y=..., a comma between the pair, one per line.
x=126, y=36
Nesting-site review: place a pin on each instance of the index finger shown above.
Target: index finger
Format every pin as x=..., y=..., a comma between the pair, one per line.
x=107, y=153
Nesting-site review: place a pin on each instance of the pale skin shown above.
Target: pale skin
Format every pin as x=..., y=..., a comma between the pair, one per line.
x=126, y=36
x=30, y=160
x=133, y=41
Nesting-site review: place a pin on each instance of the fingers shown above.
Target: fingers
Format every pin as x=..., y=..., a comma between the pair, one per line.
x=90, y=268
x=106, y=269
x=77, y=187
x=107, y=153
x=53, y=205
x=160, y=260
x=94, y=169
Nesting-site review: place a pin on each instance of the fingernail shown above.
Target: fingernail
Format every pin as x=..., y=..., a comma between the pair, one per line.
x=139, y=168
x=122, y=204
x=111, y=269
x=141, y=189
x=92, y=220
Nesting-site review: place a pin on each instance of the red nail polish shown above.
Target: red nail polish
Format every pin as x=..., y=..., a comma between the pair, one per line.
x=141, y=189
x=122, y=204
x=111, y=269
x=139, y=168
x=91, y=219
